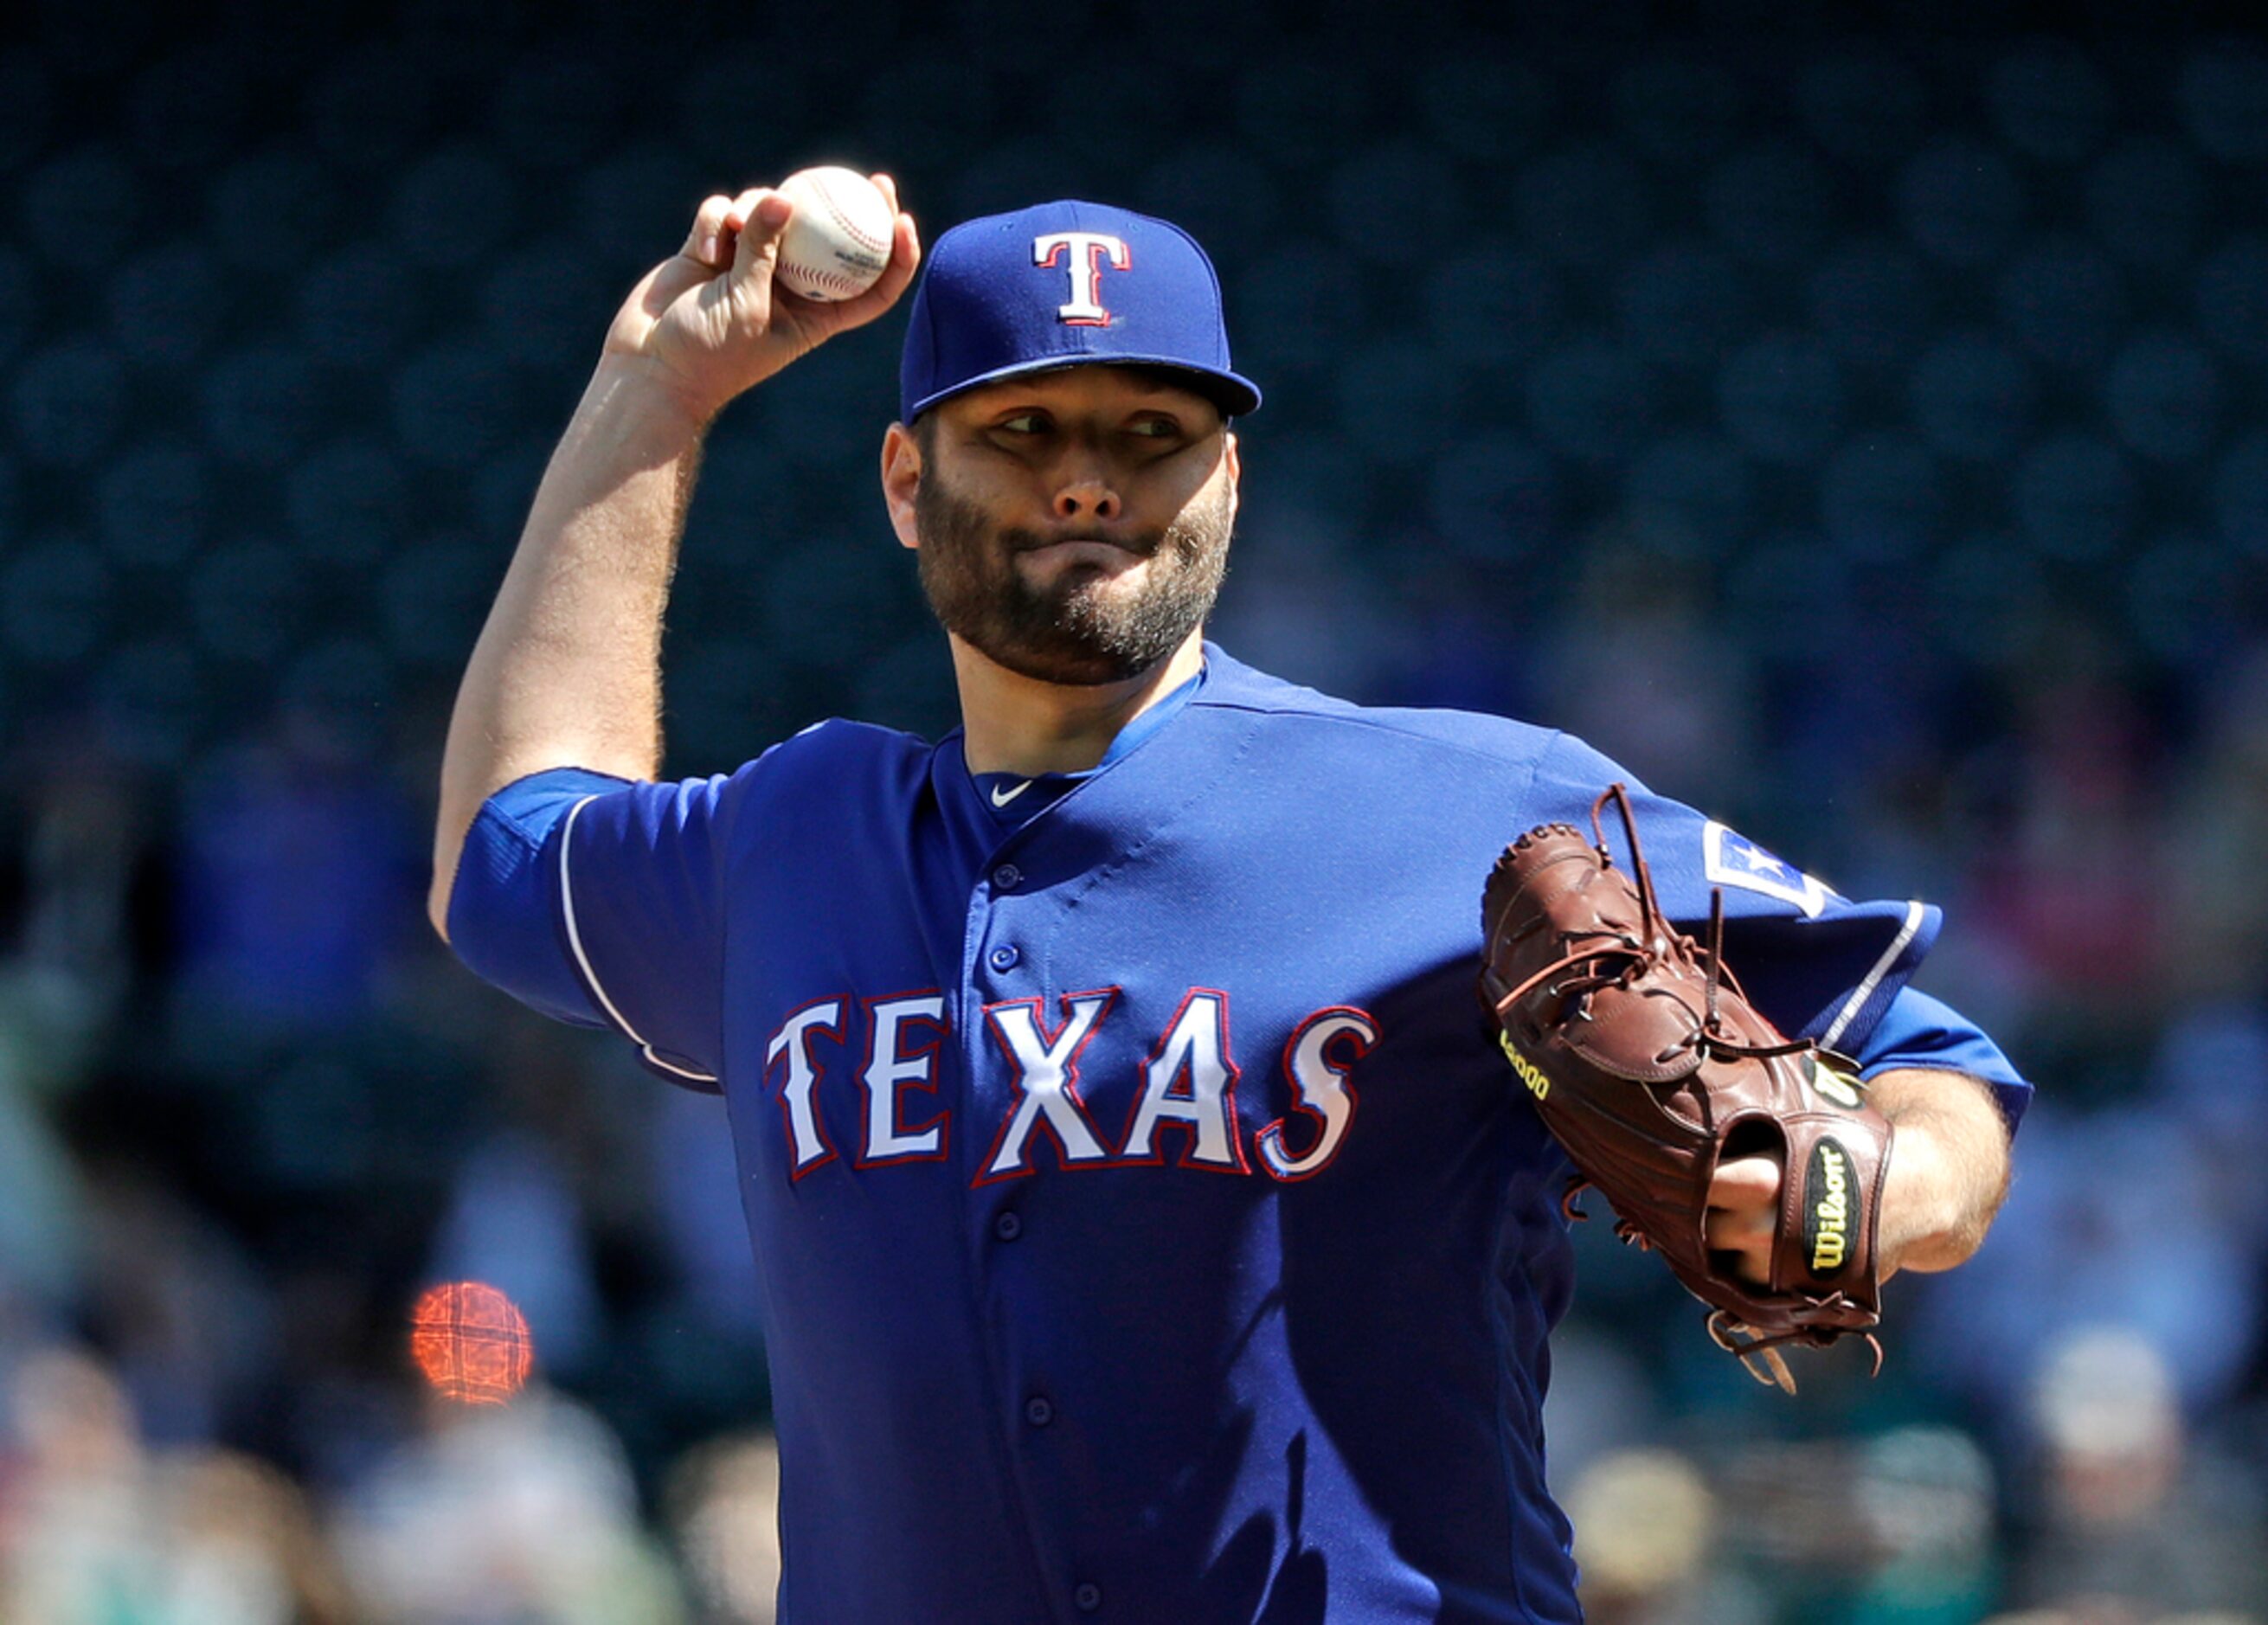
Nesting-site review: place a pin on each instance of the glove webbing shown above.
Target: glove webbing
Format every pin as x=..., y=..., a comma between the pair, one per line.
x=1638, y=957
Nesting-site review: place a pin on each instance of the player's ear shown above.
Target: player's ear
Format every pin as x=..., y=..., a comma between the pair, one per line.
x=902, y=477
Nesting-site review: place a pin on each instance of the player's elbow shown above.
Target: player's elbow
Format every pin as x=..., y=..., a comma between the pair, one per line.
x=453, y=829
x=448, y=852
x=436, y=903
x=1947, y=1248
x=1949, y=1163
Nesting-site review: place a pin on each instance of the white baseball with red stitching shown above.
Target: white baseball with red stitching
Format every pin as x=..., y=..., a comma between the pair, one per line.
x=838, y=242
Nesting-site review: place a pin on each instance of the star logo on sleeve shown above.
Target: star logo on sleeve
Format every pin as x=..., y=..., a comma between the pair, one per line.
x=1756, y=860
x=1731, y=858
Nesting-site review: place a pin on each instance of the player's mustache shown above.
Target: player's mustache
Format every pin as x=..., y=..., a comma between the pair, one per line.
x=1143, y=543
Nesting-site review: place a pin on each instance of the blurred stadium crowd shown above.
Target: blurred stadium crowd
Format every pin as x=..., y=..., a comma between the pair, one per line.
x=1857, y=427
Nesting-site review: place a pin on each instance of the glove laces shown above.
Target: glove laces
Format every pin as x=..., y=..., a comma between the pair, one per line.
x=1617, y=957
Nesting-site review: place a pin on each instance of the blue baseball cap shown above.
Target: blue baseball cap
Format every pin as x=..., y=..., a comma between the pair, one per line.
x=1059, y=285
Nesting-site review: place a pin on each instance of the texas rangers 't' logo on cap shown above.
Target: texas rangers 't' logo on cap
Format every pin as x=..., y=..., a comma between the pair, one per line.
x=1062, y=284
x=1086, y=253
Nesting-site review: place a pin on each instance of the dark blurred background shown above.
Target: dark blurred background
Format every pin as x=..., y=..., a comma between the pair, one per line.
x=1852, y=420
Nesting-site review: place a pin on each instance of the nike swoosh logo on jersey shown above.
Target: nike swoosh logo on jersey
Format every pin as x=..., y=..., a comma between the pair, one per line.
x=999, y=800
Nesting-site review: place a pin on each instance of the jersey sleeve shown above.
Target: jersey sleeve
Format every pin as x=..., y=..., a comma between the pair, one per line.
x=1918, y=1030
x=598, y=900
x=1818, y=964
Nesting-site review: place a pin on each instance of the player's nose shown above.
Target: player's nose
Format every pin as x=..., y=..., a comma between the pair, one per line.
x=1087, y=496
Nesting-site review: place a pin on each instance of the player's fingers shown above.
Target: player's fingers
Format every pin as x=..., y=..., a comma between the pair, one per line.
x=1743, y=1229
x=905, y=245
x=1742, y=1244
x=1745, y=1182
x=704, y=243
x=759, y=215
x=763, y=216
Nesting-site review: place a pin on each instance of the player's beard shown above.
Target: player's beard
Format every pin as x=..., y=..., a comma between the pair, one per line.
x=1076, y=630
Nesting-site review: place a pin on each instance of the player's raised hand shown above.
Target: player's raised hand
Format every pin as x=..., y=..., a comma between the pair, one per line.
x=712, y=321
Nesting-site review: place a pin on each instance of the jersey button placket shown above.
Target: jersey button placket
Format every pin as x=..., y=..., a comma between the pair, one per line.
x=1086, y=1597
x=1005, y=957
x=1008, y=1226
x=1007, y=878
x=1039, y=1410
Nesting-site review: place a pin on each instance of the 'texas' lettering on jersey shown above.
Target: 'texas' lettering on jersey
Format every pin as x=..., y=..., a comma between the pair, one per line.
x=1185, y=1102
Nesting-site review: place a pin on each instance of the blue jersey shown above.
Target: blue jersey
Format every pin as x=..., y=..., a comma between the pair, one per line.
x=1148, y=1226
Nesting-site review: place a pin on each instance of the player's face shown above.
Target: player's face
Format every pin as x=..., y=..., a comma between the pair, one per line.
x=1073, y=527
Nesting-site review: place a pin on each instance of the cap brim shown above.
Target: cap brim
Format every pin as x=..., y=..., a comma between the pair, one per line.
x=1236, y=395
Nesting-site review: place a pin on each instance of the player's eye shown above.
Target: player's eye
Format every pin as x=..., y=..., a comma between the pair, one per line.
x=1024, y=423
x=1155, y=427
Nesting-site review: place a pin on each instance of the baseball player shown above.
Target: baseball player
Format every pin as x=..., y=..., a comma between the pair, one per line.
x=1151, y=1229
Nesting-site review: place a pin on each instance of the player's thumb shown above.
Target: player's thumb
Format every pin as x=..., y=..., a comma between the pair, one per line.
x=764, y=215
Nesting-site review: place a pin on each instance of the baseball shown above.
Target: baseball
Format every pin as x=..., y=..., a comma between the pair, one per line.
x=838, y=241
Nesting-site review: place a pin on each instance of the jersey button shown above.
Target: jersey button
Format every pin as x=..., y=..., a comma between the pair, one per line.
x=1006, y=878
x=1005, y=957
x=1087, y=1597
x=1039, y=1410
x=1007, y=1227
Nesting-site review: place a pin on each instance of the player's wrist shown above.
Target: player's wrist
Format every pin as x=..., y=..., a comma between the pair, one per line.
x=641, y=392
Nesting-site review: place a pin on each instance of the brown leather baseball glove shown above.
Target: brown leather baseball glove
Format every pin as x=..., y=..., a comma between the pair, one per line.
x=1651, y=1068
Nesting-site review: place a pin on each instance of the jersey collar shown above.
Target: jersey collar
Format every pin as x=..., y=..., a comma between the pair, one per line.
x=1013, y=797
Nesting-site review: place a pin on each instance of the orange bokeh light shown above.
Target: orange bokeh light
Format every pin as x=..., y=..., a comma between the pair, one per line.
x=471, y=1341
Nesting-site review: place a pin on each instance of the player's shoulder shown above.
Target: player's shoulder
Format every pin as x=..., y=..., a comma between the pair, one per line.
x=838, y=740
x=1501, y=740
x=827, y=765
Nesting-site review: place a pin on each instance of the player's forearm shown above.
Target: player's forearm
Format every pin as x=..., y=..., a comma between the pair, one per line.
x=1949, y=1165
x=567, y=670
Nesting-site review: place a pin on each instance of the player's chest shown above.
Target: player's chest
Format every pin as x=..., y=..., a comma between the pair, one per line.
x=1062, y=1039
x=1089, y=1078
x=1072, y=1000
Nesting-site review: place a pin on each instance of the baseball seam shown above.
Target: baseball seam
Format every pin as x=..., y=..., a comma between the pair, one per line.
x=811, y=275
x=857, y=233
